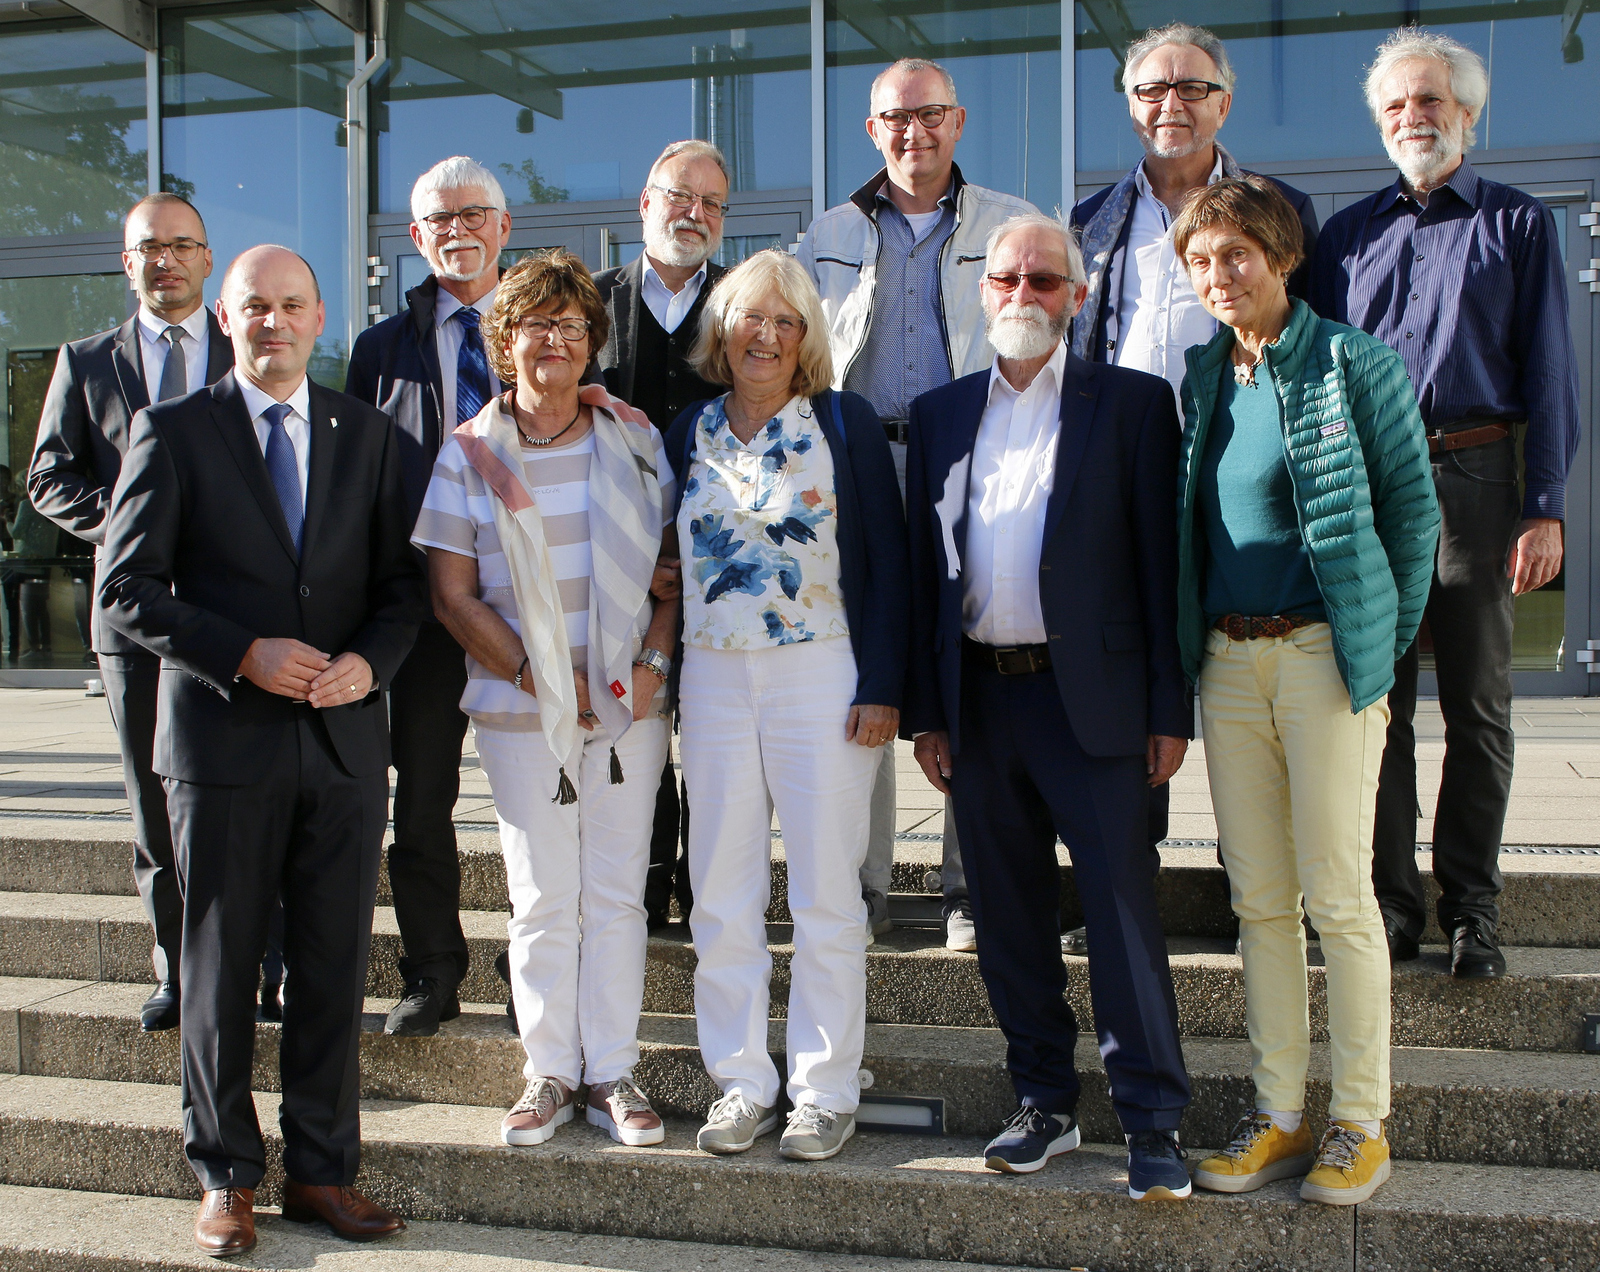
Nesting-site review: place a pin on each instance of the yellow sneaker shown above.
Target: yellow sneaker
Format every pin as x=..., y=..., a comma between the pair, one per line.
x=1259, y=1153
x=1350, y=1167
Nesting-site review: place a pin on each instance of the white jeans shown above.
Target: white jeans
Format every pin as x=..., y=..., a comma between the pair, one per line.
x=570, y=866
x=761, y=729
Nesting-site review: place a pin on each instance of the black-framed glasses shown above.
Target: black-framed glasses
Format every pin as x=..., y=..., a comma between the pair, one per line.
x=184, y=250
x=471, y=217
x=899, y=119
x=1043, y=283
x=783, y=326
x=682, y=199
x=1188, y=90
x=538, y=327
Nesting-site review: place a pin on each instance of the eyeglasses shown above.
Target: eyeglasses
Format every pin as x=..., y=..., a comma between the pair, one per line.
x=1042, y=283
x=471, y=217
x=688, y=198
x=1188, y=91
x=930, y=117
x=179, y=249
x=754, y=322
x=538, y=327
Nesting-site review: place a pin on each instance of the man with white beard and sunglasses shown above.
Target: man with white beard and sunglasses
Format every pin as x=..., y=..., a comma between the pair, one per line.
x=1044, y=690
x=426, y=368
x=1463, y=277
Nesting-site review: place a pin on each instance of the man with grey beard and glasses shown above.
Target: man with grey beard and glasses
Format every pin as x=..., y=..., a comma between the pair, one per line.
x=1463, y=277
x=655, y=302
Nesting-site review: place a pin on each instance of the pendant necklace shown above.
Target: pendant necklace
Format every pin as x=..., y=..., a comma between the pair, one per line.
x=1244, y=373
x=543, y=441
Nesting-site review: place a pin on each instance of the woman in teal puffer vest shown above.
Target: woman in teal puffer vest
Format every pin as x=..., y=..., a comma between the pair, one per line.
x=1307, y=525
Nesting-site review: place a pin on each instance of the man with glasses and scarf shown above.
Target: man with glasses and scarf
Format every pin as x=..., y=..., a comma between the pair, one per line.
x=426, y=369
x=898, y=266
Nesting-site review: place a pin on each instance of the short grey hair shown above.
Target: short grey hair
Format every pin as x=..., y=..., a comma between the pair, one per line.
x=455, y=173
x=1039, y=220
x=695, y=149
x=914, y=66
x=1181, y=33
x=1469, y=78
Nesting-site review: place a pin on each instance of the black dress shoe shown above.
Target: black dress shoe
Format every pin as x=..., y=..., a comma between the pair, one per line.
x=1474, y=953
x=502, y=967
x=1402, y=949
x=162, y=1010
x=425, y=1004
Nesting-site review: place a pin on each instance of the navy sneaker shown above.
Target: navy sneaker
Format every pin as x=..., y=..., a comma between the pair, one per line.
x=1155, y=1167
x=1029, y=1139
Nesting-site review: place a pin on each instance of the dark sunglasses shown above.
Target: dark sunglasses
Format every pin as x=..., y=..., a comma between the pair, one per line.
x=1042, y=283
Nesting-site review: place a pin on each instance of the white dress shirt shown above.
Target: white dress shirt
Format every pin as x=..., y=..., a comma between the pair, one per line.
x=153, y=348
x=297, y=424
x=668, y=307
x=447, y=332
x=1158, y=314
x=1013, y=472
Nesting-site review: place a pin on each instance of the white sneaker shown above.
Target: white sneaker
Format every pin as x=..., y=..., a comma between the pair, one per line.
x=959, y=933
x=815, y=1133
x=734, y=1123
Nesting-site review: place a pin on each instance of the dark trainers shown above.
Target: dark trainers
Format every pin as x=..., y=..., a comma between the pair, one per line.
x=418, y=1014
x=1030, y=1138
x=1155, y=1167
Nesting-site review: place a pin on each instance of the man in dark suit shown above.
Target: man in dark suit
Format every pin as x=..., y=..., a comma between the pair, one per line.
x=258, y=543
x=655, y=302
x=1045, y=691
x=427, y=370
x=170, y=347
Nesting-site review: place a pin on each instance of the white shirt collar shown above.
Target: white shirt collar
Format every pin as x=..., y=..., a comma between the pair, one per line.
x=155, y=328
x=1055, y=369
x=256, y=401
x=1143, y=182
x=445, y=305
x=691, y=285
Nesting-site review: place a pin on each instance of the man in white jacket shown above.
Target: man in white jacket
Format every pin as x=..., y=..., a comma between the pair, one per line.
x=898, y=265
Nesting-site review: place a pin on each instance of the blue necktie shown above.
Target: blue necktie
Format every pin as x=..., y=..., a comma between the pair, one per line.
x=472, y=368
x=284, y=469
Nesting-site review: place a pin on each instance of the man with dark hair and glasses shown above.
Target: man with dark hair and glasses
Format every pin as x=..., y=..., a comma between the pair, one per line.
x=169, y=348
x=1141, y=311
x=898, y=266
x=426, y=368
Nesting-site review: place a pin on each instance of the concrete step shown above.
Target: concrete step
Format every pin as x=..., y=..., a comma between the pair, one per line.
x=911, y=978
x=885, y=1195
x=1486, y=1107
x=1549, y=901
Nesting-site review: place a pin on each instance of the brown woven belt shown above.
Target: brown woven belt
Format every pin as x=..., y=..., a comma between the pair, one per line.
x=1246, y=627
x=1011, y=660
x=1439, y=441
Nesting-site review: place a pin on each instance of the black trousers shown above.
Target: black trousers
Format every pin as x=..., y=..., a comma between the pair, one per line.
x=130, y=682
x=427, y=727
x=313, y=833
x=1019, y=780
x=1470, y=617
x=668, y=875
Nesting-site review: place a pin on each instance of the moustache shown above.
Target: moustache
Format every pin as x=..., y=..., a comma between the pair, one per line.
x=1173, y=121
x=684, y=223
x=1418, y=133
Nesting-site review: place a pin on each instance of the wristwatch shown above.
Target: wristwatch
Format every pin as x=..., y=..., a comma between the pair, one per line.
x=655, y=661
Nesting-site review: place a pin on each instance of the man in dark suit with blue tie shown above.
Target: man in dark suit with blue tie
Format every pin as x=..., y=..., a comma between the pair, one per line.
x=258, y=542
x=1045, y=691
x=170, y=347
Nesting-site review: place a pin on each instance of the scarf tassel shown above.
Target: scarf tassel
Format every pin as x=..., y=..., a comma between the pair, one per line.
x=616, y=768
x=566, y=793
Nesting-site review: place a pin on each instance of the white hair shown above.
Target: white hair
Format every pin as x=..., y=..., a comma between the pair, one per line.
x=1469, y=79
x=1030, y=220
x=1180, y=33
x=914, y=66
x=455, y=173
x=695, y=149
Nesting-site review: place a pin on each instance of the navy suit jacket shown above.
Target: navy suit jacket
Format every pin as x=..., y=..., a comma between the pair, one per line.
x=1108, y=565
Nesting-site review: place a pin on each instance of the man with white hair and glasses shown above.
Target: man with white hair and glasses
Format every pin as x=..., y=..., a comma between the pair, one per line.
x=427, y=369
x=1463, y=277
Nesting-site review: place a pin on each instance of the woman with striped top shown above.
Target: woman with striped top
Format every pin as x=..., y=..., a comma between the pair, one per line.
x=542, y=525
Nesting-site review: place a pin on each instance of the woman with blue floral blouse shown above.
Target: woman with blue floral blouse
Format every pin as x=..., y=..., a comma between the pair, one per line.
x=793, y=551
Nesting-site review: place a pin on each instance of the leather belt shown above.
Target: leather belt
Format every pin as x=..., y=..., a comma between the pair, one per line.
x=896, y=431
x=1440, y=441
x=1246, y=627
x=1011, y=660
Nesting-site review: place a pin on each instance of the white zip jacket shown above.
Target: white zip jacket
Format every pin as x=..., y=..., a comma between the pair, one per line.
x=840, y=252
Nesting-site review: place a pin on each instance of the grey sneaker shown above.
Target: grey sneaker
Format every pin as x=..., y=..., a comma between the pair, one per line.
x=734, y=1123
x=1075, y=941
x=878, y=920
x=814, y=1133
x=959, y=933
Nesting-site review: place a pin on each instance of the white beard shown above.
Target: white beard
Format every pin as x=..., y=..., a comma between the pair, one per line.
x=454, y=272
x=1422, y=167
x=1023, y=332
x=663, y=244
x=1178, y=149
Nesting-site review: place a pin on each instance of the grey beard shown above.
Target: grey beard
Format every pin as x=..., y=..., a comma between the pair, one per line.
x=1026, y=336
x=457, y=275
x=1196, y=143
x=1418, y=168
x=662, y=243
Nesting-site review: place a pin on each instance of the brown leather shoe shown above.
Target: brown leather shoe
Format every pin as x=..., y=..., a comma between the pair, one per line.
x=227, y=1222
x=343, y=1209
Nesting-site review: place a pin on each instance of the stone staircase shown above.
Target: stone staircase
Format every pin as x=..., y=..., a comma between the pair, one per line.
x=1496, y=1107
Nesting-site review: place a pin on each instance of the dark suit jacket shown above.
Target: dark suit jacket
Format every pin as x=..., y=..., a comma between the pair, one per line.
x=619, y=289
x=199, y=563
x=1108, y=566
x=96, y=391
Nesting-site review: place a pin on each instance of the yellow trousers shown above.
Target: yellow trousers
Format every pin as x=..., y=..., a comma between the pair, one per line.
x=1294, y=777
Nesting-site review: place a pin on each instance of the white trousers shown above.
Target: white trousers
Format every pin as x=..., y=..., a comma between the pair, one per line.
x=764, y=729
x=572, y=867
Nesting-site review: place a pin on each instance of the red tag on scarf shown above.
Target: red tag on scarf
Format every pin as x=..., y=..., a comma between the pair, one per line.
x=617, y=689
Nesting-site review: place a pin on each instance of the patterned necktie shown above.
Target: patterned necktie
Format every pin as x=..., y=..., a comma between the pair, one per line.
x=175, y=375
x=472, y=368
x=284, y=468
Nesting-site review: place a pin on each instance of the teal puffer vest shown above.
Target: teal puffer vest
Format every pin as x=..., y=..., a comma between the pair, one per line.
x=1363, y=490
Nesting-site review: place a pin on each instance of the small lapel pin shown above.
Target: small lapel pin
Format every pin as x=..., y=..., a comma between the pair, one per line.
x=333, y=421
